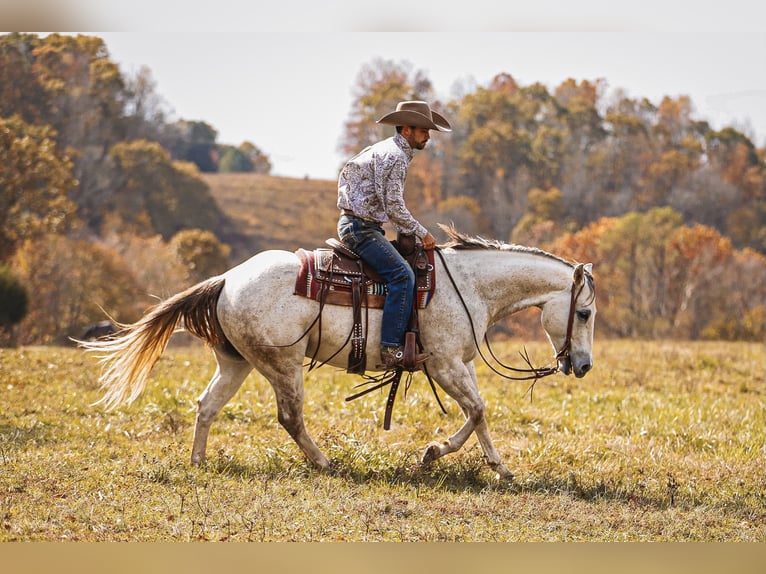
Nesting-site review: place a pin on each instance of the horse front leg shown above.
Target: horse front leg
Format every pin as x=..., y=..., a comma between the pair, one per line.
x=482, y=433
x=461, y=384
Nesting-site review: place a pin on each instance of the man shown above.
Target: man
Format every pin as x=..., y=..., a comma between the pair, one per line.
x=370, y=193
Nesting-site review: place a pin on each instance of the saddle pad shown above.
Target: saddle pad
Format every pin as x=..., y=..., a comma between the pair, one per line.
x=318, y=279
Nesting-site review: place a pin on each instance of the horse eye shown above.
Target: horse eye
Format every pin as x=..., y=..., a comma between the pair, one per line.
x=583, y=314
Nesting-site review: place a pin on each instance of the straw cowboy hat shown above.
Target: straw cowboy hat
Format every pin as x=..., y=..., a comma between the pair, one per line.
x=417, y=114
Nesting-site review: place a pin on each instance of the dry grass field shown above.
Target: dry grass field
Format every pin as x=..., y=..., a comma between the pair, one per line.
x=662, y=441
x=274, y=212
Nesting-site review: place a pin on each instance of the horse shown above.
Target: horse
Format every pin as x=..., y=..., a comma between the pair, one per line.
x=251, y=319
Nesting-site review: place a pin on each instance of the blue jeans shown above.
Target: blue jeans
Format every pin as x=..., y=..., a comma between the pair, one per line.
x=368, y=240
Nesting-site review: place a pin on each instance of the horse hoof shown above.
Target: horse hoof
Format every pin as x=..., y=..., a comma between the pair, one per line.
x=504, y=475
x=323, y=464
x=198, y=460
x=433, y=451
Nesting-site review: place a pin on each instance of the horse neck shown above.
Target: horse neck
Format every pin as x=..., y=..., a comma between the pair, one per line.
x=509, y=280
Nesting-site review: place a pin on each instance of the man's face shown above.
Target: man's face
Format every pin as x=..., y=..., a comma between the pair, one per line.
x=416, y=137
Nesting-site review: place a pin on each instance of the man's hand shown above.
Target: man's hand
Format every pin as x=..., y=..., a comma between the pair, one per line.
x=429, y=242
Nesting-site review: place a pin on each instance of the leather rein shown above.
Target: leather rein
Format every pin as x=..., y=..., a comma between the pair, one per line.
x=531, y=373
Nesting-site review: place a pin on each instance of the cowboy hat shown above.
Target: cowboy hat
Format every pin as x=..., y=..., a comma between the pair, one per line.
x=417, y=114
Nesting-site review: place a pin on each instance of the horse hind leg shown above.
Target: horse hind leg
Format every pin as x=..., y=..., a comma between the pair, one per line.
x=288, y=390
x=229, y=375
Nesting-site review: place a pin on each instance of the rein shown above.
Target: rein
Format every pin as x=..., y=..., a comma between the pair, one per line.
x=531, y=373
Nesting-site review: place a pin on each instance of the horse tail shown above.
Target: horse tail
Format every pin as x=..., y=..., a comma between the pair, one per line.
x=129, y=356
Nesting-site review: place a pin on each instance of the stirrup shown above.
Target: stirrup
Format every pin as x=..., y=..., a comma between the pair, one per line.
x=395, y=358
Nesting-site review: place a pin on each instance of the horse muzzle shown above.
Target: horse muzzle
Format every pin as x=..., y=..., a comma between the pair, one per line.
x=579, y=368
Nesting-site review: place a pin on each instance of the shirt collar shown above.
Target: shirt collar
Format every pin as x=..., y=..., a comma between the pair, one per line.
x=403, y=145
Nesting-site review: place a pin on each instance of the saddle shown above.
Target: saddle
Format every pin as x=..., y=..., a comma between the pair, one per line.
x=335, y=275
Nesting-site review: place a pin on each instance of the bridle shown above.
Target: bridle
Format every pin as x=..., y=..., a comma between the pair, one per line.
x=567, y=346
x=531, y=372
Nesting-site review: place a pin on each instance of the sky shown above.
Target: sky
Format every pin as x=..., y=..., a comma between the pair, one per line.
x=282, y=76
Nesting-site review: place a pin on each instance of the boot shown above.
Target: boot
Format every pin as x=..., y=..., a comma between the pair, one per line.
x=393, y=358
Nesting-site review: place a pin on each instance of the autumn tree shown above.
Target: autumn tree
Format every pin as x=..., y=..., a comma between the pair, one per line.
x=35, y=180
x=21, y=91
x=259, y=160
x=152, y=193
x=743, y=315
x=543, y=220
x=702, y=256
x=71, y=284
x=84, y=90
x=739, y=170
x=245, y=158
x=156, y=270
x=501, y=156
x=201, y=253
x=233, y=160
x=637, y=247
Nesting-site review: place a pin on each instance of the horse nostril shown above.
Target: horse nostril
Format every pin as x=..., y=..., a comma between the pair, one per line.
x=586, y=367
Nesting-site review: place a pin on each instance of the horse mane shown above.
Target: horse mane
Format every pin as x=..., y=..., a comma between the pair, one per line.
x=461, y=241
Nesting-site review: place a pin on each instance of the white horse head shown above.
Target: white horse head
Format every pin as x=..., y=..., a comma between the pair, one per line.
x=569, y=319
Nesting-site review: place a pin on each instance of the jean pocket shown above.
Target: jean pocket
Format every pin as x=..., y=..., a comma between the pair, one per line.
x=346, y=233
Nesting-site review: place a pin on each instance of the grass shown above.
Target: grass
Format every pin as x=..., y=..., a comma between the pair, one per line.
x=663, y=441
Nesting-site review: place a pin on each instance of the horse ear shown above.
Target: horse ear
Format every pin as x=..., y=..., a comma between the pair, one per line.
x=579, y=274
x=588, y=268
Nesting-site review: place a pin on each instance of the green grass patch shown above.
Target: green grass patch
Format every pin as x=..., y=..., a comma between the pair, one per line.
x=663, y=441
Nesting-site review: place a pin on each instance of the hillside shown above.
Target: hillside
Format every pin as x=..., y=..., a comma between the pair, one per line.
x=266, y=212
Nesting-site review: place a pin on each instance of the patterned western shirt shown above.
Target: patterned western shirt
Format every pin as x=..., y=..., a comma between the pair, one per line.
x=371, y=184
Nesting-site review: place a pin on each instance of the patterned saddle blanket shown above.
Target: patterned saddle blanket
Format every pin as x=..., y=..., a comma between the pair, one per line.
x=330, y=274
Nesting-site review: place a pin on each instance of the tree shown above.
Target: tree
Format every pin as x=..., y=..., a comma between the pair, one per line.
x=194, y=141
x=259, y=160
x=233, y=160
x=638, y=249
x=702, y=256
x=72, y=283
x=21, y=92
x=144, y=110
x=496, y=157
x=84, y=92
x=152, y=193
x=14, y=301
x=35, y=178
x=201, y=253
x=542, y=221
x=739, y=313
x=245, y=158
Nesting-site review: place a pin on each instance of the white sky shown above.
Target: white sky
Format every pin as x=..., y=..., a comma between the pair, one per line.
x=282, y=75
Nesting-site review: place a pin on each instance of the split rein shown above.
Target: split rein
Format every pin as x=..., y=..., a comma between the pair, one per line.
x=531, y=373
